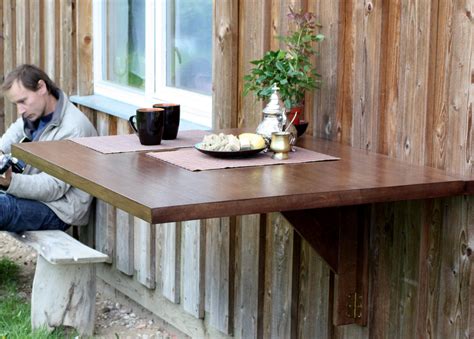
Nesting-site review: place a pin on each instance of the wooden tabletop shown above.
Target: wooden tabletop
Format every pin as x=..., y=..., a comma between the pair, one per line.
x=159, y=192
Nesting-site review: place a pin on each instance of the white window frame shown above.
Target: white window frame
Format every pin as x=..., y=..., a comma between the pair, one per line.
x=195, y=107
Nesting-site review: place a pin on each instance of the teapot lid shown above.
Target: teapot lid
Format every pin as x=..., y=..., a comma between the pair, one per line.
x=273, y=106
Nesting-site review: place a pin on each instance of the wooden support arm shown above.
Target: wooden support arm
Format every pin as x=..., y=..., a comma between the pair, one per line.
x=340, y=236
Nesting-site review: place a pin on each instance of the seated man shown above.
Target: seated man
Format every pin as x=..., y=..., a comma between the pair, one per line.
x=34, y=200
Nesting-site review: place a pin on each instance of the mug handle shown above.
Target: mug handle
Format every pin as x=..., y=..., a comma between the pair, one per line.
x=132, y=124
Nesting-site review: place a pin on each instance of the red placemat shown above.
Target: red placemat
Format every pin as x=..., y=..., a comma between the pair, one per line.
x=130, y=143
x=193, y=160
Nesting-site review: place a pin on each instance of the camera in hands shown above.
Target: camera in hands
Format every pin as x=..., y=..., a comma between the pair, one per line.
x=7, y=161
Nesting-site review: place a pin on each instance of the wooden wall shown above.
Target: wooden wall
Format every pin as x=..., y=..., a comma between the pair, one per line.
x=398, y=79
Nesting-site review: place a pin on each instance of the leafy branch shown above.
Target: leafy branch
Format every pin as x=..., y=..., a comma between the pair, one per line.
x=290, y=69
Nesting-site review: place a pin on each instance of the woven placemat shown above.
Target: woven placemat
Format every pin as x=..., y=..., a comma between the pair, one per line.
x=193, y=160
x=130, y=143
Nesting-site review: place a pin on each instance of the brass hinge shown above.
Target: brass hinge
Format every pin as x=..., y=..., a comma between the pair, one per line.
x=354, y=305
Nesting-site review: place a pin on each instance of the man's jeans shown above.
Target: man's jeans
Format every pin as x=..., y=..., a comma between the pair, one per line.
x=17, y=215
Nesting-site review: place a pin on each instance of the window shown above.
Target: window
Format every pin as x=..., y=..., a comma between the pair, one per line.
x=147, y=52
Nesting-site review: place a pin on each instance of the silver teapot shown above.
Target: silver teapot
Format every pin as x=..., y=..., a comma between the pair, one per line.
x=274, y=117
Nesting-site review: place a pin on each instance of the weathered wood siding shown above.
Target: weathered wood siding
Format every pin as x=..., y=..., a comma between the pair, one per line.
x=397, y=79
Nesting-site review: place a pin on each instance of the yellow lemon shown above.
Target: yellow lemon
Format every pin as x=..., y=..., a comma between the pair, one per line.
x=251, y=140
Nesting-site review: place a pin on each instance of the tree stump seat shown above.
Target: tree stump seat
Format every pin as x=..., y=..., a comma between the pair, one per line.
x=64, y=286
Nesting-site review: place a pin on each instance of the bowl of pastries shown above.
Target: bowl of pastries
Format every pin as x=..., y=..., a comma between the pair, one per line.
x=231, y=146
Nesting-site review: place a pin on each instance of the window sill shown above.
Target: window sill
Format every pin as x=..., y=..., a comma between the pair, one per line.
x=121, y=110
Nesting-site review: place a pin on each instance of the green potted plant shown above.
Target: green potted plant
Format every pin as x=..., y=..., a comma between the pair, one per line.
x=291, y=68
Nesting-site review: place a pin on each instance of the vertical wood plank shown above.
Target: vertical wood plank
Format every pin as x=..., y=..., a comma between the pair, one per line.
x=395, y=275
x=34, y=27
x=87, y=233
x=2, y=69
x=468, y=252
x=89, y=113
x=368, y=55
x=9, y=55
x=249, y=276
x=379, y=275
x=104, y=227
x=470, y=202
x=123, y=127
x=219, y=280
x=84, y=47
x=459, y=82
x=448, y=146
x=324, y=106
x=144, y=252
x=470, y=106
x=314, y=320
x=429, y=240
x=268, y=269
x=452, y=314
x=351, y=332
x=22, y=36
x=413, y=82
x=105, y=217
x=225, y=69
x=124, y=259
x=209, y=261
x=390, y=56
x=276, y=22
x=439, y=57
x=345, y=66
x=279, y=20
x=171, y=261
x=254, y=26
x=280, y=283
x=159, y=252
x=193, y=251
x=50, y=38
x=449, y=140
x=405, y=273
x=67, y=64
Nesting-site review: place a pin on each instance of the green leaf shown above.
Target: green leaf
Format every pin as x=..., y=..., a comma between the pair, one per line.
x=279, y=65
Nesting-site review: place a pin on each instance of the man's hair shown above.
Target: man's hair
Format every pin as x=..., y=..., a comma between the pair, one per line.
x=28, y=76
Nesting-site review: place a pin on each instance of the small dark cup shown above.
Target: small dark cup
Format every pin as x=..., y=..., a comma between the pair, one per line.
x=171, y=126
x=148, y=124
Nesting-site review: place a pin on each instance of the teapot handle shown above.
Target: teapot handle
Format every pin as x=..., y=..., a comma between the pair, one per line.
x=282, y=119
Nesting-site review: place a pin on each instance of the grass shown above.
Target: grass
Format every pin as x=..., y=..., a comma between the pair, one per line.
x=15, y=319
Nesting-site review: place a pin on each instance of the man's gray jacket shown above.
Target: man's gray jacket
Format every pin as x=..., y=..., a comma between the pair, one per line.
x=70, y=204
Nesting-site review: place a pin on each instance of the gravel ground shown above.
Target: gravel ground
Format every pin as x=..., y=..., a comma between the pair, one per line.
x=114, y=318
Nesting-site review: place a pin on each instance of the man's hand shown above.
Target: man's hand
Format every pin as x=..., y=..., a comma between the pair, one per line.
x=6, y=178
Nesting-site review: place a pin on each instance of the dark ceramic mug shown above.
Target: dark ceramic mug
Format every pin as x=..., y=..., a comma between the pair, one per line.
x=171, y=124
x=148, y=124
